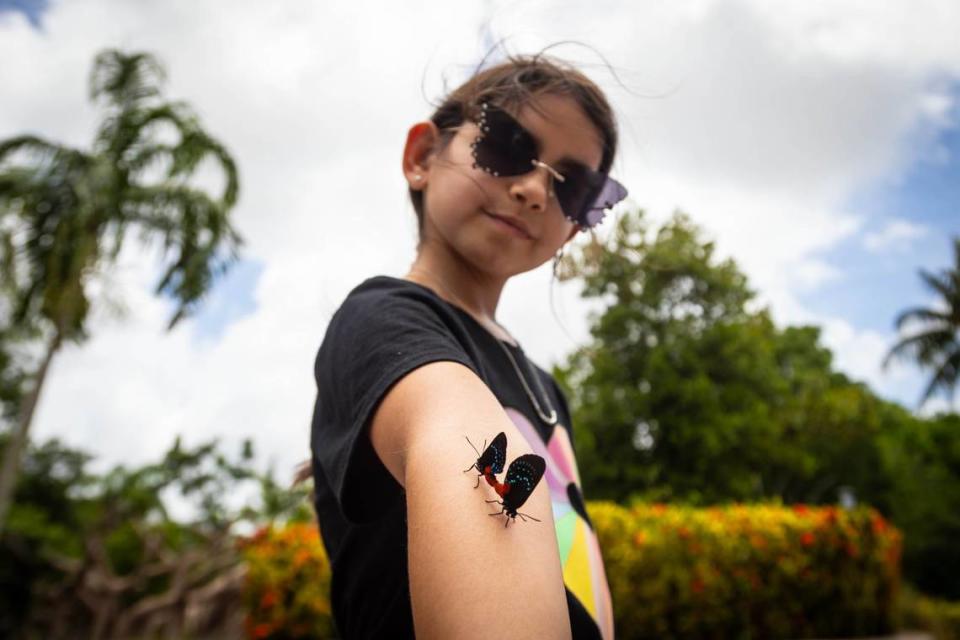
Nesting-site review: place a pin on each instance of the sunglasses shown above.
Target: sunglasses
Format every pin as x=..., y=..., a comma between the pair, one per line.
x=504, y=148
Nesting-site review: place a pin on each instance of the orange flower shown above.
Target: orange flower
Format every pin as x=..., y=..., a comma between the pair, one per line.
x=697, y=585
x=807, y=538
x=301, y=557
x=878, y=524
x=659, y=508
x=640, y=538
x=801, y=509
x=268, y=599
x=262, y=630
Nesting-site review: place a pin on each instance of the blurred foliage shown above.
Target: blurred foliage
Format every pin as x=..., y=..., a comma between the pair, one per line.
x=939, y=617
x=101, y=556
x=287, y=592
x=758, y=571
x=687, y=392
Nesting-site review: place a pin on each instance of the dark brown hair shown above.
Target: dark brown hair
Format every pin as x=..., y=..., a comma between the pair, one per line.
x=515, y=83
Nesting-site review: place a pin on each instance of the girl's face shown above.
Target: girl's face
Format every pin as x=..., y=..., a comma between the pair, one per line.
x=465, y=207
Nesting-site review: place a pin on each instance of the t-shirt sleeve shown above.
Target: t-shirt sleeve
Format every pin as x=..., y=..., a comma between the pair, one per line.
x=372, y=341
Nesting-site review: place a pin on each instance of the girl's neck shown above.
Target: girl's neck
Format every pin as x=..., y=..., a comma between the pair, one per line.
x=475, y=295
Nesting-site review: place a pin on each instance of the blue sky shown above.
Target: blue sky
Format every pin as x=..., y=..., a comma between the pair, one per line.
x=876, y=284
x=32, y=9
x=230, y=300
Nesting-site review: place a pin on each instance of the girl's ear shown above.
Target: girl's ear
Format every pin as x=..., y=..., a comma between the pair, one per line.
x=422, y=140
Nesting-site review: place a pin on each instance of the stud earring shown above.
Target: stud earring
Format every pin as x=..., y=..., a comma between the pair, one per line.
x=418, y=177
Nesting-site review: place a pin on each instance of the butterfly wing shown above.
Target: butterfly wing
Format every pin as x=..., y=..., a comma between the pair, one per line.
x=495, y=455
x=522, y=476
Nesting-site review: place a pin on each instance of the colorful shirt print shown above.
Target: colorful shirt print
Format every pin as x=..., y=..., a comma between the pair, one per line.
x=583, y=572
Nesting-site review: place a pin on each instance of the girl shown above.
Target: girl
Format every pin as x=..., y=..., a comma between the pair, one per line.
x=507, y=170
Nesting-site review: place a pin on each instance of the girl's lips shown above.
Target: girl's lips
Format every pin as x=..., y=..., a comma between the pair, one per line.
x=512, y=227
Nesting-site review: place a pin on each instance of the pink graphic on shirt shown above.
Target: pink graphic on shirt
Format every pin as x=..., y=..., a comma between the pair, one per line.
x=583, y=572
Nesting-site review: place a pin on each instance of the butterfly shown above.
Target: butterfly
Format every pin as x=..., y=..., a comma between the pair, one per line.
x=523, y=475
x=491, y=461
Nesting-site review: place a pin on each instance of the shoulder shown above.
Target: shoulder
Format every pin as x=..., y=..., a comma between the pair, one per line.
x=374, y=295
x=385, y=313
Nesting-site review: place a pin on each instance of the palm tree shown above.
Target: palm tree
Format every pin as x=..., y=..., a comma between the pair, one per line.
x=65, y=213
x=936, y=344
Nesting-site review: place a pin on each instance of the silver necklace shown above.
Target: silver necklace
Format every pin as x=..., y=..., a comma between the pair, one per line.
x=550, y=419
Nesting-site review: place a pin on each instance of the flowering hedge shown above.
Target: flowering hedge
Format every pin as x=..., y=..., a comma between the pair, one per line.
x=288, y=583
x=760, y=571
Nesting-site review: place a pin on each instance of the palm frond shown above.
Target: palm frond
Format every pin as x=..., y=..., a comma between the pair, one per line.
x=923, y=347
x=945, y=378
x=921, y=314
x=943, y=285
x=125, y=79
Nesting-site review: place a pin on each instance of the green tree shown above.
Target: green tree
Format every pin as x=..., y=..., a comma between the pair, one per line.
x=688, y=391
x=65, y=213
x=673, y=395
x=935, y=344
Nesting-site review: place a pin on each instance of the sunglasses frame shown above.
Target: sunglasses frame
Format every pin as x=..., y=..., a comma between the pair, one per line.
x=591, y=205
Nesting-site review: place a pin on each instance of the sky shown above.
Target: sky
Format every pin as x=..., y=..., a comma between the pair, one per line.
x=815, y=142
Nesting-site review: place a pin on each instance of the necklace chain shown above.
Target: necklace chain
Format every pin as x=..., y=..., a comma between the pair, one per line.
x=550, y=419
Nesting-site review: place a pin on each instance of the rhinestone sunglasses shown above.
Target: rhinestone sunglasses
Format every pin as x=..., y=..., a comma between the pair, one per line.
x=504, y=148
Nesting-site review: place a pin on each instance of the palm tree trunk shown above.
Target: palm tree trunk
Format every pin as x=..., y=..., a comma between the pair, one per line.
x=18, y=438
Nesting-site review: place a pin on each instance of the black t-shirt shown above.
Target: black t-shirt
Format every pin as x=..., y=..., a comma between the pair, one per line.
x=385, y=328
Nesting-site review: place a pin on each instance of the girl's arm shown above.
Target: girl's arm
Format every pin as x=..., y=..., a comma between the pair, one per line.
x=470, y=577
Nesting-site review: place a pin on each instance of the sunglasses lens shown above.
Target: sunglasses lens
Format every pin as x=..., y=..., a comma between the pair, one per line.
x=585, y=194
x=610, y=194
x=503, y=148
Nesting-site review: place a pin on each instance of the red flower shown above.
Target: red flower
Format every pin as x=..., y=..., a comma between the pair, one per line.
x=878, y=524
x=801, y=509
x=268, y=599
x=262, y=630
x=807, y=538
x=697, y=586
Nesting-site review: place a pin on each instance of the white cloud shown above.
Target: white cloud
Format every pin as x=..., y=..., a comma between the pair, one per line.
x=896, y=234
x=758, y=122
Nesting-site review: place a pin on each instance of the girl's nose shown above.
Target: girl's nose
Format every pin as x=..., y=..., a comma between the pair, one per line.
x=534, y=189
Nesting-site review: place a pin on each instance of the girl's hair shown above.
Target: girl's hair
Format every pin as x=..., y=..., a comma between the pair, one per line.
x=515, y=83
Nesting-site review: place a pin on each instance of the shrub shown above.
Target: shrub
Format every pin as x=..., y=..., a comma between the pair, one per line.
x=761, y=571
x=288, y=583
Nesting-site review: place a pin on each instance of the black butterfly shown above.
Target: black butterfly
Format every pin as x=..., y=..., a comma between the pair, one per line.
x=491, y=461
x=522, y=477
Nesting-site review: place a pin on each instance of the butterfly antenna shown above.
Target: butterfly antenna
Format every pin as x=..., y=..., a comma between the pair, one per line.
x=474, y=448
